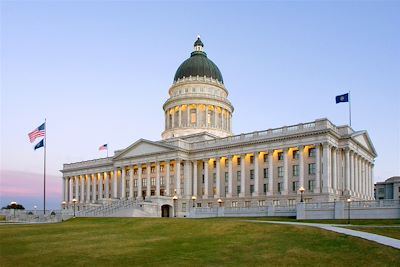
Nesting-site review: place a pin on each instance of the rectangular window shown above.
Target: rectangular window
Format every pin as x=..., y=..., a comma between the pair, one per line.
x=280, y=171
x=265, y=188
x=135, y=171
x=238, y=161
x=203, y=179
x=214, y=178
x=183, y=207
x=238, y=176
x=152, y=192
x=292, y=202
x=265, y=157
x=226, y=177
x=161, y=168
x=247, y=204
x=209, y=117
x=162, y=192
x=279, y=187
x=143, y=170
x=135, y=182
x=251, y=188
x=311, y=152
x=226, y=162
x=153, y=181
x=226, y=190
x=152, y=169
x=311, y=168
x=295, y=186
x=171, y=167
x=296, y=170
x=209, y=204
x=265, y=172
x=311, y=185
x=234, y=204
x=280, y=155
x=192, y=116
x=161, y=180
x=215, y=164
x=144, y=182
x=238, y=189
x=198, y=205
x=251, y=159
x=275, y=202
x=251, y=174
x=296, y=154
x=135, y=194
x=261, y=203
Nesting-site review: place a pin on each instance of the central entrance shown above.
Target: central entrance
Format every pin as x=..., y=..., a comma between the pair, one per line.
x=166, y=211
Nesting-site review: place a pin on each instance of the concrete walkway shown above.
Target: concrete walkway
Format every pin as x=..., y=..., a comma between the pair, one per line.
x=388, y=241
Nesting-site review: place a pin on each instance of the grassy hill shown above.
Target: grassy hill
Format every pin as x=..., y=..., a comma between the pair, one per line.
x=184, y=242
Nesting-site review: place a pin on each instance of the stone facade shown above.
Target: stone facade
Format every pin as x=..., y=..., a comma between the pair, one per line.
x=201, y=164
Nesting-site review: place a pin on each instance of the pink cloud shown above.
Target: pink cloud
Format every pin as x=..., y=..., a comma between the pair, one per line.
x=25, y=184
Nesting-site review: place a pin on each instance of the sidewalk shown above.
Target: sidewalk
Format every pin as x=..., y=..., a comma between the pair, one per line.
x=388, y=241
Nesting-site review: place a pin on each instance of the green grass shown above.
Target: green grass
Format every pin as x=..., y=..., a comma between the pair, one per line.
x=2, y=217
x=184, y=242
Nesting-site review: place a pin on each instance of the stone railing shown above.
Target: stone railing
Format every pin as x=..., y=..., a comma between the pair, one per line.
x=88, y=163
x=282, y=131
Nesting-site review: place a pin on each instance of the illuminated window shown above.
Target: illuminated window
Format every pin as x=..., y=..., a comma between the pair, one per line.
x=144, y=182
x=296, y=154
x=265, y=156
x=135, y=182
x=152, y=169
x=209, y=117
x=251, y=159
x=215, y=164
x=192, y=116
x=238, y=161
x=161, y=168
x=153, y=181
x=280, y=155
x=161, y=180
x=135, y=172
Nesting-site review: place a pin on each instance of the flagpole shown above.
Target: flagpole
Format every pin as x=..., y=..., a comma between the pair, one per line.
x=349, y=108
x=44, y=168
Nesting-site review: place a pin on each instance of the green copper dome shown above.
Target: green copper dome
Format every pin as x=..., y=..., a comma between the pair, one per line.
x=198, y=65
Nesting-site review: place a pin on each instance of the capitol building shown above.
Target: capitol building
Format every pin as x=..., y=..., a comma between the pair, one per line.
x=200, y=163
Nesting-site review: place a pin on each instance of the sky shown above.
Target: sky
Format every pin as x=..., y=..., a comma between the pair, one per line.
x=99, y=72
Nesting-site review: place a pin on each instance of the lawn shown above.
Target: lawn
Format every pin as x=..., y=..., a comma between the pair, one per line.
x=184, y=242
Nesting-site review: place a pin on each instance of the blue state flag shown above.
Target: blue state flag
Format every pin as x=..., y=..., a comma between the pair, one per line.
x=39, y=145
x=342, y=98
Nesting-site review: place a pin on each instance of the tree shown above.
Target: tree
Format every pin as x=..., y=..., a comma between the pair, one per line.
x=14, y=206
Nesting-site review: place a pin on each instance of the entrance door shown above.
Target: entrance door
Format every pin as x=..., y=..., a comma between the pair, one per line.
x=165, y=210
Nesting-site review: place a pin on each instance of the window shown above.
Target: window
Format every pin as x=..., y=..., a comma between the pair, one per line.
x=153, y=169
x=234, y=204
x=296, y=154
x=183, y=207
x=251, y=188
x=275, y=202
x=251, y=159
x=261, y=203
x=209, y=117
x=238, y=161
x=292, y=202
x=311, y=152
x=161, y=168
x=214, y=178
x=161, y=180
x=198, y=205
x=265, y=188
x=296, y=170
x=162, y=192
x=247, y=204
x=238, y=175
x=153, y=181
x=311, y=185
x=209, y=204
x=238, y=189
x=143, y=170
x=135, y=194
x=226, y=162
x=226, y=190
x=280, y=171
x=251, y=174
x=265, y=157
x=144, y=182
x=192, y=116
x=311, y=168
x=135, y=182
x=171, y=167
x=280, y=155
x=279, y=187
x=295, y=186
x=265, y=172
x=215, y=164
x=226, y=177
x=152, y=193
x=135, y=172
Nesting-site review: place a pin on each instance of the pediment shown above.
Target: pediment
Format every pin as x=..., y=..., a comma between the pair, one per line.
x=363, y=139
x=143, y=147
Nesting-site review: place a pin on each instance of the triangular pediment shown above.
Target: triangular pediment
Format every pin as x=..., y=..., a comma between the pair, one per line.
x=143, y=147
x=363, y=139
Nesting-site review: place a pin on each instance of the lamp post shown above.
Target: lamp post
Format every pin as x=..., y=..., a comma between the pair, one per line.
x=301, y=189
x=74, y=201
x=348, y=210
x=194, y=200
x=175, y=198
x=219, y=202
x=13, y=205
x=35, y=207
x=63, y=204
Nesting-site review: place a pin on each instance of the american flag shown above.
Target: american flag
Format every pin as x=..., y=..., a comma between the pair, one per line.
x=103, y=147
x=38, y=132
